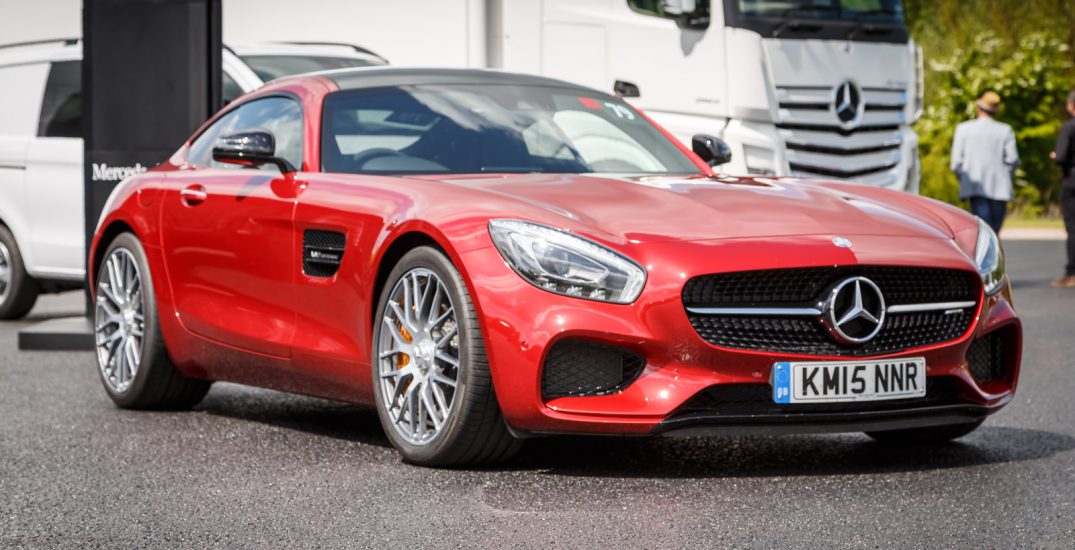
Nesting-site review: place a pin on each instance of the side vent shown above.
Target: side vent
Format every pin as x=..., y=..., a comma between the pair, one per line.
x=322, y=252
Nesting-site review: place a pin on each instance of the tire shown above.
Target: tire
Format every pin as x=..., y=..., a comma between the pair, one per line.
x=415, y=385
x=18, y=290
x=153, y=383
x=926, y=436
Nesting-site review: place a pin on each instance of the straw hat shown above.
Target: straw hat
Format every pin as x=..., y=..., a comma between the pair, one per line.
x=989, y=102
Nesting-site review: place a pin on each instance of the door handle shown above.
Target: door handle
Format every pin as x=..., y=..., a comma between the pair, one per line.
x=193, y=195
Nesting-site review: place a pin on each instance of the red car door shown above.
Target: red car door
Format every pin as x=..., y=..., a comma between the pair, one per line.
x=228, y=235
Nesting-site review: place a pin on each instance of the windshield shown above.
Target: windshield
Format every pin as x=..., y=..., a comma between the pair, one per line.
x=271, y=67
x=887, y=11
x=465, y=129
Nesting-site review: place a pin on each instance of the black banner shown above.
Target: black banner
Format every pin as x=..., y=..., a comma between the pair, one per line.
x=151, y=74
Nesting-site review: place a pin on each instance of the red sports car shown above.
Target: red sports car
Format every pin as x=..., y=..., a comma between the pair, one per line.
x=485, y=257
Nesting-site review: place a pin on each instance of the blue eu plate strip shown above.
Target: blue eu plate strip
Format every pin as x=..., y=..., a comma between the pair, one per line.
x=782, y=383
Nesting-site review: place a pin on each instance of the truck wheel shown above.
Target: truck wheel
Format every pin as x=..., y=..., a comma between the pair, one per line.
x=18, y=290
x=926, y=436
x=131, y=357
x=431, y=382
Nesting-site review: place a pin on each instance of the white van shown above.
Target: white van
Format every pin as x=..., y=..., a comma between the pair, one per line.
x=42, y=246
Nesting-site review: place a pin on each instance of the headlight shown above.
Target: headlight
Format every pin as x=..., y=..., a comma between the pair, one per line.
x=989, y=259
x=560, y=262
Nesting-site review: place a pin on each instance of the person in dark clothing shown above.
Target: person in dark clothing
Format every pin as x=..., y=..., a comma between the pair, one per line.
x=1064, y=155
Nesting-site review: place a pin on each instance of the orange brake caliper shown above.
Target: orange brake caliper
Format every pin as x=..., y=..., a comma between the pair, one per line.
x=404, y=359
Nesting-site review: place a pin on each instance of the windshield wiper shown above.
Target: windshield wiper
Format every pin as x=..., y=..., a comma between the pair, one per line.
x=881, y=11
x=798, y=25
x=861, y=24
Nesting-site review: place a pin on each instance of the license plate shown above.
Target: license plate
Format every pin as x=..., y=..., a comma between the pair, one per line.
x=834, y=381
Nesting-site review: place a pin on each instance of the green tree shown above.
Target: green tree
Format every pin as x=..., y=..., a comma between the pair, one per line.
x=1023, y=51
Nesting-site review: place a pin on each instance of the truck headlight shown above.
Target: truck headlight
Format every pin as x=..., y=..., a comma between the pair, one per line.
x=989, y=259
x=560, y=262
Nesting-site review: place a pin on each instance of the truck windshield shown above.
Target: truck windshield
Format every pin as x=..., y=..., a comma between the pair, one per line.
x=886, y=11
x=467, y=129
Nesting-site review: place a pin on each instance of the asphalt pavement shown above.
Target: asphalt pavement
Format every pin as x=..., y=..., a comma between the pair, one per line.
x=257, y=468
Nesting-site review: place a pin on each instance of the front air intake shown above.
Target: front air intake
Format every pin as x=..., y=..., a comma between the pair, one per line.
x=988, y=357
x=583, y=369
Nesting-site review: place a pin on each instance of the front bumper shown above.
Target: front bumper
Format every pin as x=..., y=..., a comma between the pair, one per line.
x=522, y=324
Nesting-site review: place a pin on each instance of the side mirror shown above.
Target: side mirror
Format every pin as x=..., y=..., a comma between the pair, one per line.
x=253, y=148
x=688, y=14
x=712, y=149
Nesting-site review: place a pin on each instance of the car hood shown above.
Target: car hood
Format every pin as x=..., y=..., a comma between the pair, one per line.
x=655, y=209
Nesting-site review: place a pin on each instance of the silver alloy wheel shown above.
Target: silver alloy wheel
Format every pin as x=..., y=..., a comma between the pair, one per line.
x=418, y=356
x=119, y=320
x=5, y=271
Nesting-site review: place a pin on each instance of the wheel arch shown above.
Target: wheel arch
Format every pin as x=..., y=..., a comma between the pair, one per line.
x=393, y=253
x=110, y=232
x=15, y=227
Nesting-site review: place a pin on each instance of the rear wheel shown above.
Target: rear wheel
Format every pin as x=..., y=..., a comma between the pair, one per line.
x=131, y=358
x=18, y=290
x=926, y=436
x=432, y=387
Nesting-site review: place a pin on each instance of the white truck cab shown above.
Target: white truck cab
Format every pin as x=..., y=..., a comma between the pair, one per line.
x=42, y=245
x=812, y=88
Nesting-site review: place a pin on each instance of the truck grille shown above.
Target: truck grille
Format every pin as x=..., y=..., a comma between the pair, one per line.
x=745, y=302
x=817, y=145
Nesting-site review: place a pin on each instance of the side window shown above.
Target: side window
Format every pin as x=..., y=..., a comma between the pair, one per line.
x=280, y=115
x=61, y=106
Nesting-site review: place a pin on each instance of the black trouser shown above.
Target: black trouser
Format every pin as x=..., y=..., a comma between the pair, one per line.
x=1067, y=207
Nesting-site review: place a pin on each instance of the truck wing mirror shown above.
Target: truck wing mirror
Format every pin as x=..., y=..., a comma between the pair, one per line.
x=688, y=14
x=623, y=88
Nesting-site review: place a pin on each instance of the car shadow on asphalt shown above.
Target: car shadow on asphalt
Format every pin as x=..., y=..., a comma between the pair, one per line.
x=310, y=415
x=661, y=457
x=848, y=454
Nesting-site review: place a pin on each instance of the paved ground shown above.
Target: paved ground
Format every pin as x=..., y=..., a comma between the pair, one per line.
x=254, y=468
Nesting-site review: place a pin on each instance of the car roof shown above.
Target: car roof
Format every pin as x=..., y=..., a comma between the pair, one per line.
x=59, y=49
x=327, y=49
x=40, y=51
x=379, y=77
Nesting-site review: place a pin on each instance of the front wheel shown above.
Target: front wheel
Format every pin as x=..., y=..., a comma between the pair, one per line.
x=131, y=358
x=432, y=387
x=926, y=436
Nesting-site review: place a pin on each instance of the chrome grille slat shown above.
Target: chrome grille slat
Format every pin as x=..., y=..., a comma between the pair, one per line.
x=817, y=145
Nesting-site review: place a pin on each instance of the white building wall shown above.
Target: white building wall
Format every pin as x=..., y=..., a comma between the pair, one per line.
x=429, y=33
x=434, y=33
x=26, y=20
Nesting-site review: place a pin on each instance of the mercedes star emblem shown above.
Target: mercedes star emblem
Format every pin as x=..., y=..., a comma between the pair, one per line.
x=855, y=311
x=841, y=242
x=847, y=103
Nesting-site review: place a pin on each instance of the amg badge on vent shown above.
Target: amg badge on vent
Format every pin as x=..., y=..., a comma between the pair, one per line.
x=322, y=252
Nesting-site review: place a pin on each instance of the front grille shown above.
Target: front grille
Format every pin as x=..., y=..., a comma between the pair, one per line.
x=807, y=287
x=900, y=285
x=817, y=145
x=811, y=337
x=757, y=399
x=585, y=369
x=988, y=356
